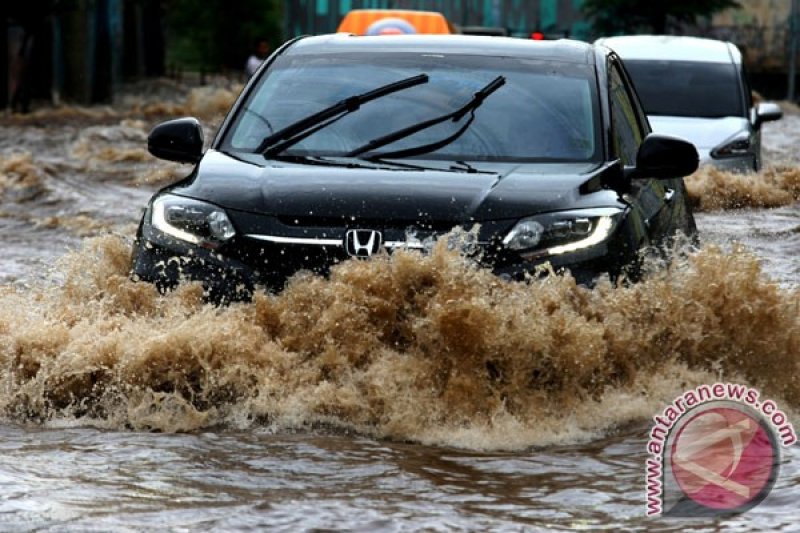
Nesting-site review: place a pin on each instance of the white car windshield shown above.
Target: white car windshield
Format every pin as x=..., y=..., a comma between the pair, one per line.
x=687, y=88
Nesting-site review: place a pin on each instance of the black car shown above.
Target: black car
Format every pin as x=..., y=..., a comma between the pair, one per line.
x=344, y=146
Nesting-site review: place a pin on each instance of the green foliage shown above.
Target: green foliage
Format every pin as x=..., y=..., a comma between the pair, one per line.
x=613, y=17
x=217, y=35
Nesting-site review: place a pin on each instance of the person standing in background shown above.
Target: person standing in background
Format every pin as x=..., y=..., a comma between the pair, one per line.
x=261, y=51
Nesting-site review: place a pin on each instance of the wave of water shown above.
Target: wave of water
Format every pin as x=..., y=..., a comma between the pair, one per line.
x=713, y=189
x=423, y=348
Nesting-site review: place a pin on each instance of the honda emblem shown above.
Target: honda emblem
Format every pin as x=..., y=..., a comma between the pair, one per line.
x=362, y=242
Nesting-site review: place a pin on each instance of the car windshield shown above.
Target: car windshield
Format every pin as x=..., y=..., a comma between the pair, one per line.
x=687, y=88
x=546, y=111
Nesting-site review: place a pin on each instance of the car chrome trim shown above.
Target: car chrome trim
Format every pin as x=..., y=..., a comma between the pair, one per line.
x=404, y=244
x=295, y=240
x=329, y=242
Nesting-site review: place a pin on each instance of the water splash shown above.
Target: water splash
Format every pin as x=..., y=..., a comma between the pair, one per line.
x=410, y=347
x=712, y=189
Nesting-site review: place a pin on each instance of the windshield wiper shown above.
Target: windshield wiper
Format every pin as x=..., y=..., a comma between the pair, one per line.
x=297, y=131
x=456, y=115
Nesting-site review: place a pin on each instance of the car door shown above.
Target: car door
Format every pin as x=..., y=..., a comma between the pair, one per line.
x=648, y=196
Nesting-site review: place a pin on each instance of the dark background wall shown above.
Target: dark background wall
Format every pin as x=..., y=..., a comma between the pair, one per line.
x=80, y=50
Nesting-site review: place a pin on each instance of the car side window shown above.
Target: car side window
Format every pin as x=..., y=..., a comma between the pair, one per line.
x=626, y=132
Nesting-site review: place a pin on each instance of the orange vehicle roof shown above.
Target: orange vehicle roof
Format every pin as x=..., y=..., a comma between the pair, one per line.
x=358, y=21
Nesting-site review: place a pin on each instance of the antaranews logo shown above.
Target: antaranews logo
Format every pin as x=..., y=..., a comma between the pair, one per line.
x=715, y=450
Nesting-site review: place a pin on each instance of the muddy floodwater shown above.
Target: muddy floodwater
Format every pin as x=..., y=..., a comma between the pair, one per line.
x=402, y=393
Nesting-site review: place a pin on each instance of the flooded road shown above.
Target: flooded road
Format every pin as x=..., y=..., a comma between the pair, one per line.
x=85, y=479
x=404, y=393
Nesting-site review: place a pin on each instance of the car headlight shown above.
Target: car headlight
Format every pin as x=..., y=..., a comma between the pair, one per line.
x=191, y=220
x=736, y=146
x=559, y=233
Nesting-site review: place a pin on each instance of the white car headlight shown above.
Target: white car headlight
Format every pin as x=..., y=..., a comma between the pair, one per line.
x=191, y=220
x=736, y=146
x=558, y=233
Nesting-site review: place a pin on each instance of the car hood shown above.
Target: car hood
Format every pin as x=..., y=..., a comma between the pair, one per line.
x=704, y=133
x=386, y=192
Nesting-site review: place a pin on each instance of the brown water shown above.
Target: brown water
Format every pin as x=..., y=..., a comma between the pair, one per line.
x=404, y=393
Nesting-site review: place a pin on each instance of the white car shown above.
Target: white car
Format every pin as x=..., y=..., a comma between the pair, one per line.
x=697, y=89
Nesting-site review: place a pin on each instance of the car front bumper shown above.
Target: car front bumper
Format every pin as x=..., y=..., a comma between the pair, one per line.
x=228, y=277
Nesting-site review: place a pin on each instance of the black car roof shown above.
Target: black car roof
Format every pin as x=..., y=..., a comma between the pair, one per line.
x=561, y=50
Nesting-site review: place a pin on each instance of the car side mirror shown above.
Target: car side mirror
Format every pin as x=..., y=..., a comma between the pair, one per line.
x=663, y=156
x=178, y=140
x=767, y=112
